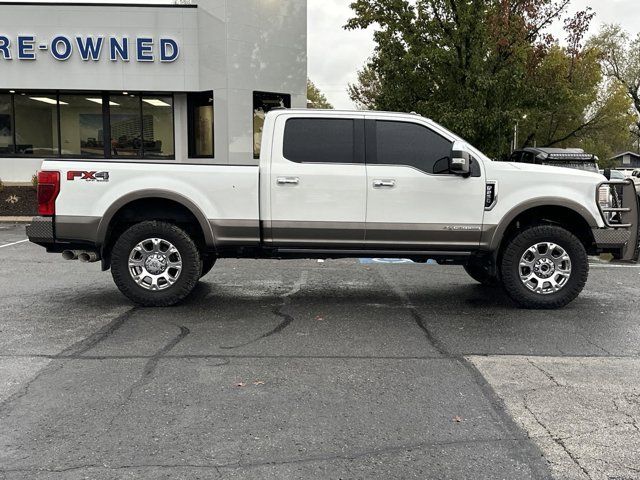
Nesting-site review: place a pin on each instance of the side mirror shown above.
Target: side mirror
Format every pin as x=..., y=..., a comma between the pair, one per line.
x=460, y=163
x=607, y=173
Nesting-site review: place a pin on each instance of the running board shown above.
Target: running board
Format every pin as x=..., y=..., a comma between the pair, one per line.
x=373, y=253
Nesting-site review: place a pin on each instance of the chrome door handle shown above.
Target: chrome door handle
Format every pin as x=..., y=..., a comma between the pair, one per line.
x=288, y=180
x=384, y=183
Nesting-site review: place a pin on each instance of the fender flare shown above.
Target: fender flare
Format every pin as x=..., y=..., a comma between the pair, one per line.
x=105, y=222
x=495, y=235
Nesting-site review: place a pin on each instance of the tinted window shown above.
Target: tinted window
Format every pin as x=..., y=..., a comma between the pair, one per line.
x=200, y=107
x=400, y=143
x=320, y=140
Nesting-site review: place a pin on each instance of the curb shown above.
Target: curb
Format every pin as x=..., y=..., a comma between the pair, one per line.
x=16, y=219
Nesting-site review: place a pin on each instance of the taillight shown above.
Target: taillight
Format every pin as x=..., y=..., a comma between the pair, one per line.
x=48, y=190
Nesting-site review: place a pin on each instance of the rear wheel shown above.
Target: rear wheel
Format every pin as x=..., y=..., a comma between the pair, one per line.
x=544, y=267
x=155, y=264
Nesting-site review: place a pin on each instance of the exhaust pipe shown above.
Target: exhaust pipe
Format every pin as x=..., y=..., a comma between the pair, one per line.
x=71, y=254
x=88, y=257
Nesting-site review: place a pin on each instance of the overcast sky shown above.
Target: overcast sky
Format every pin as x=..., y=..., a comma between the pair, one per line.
x=335, y=55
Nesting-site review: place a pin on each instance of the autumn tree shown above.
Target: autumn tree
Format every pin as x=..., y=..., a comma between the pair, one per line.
x=480, y=66
x=315, y=98
x=621, y=62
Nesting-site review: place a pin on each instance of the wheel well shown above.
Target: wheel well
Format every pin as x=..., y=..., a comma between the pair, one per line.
x=551, y=215
x=146, y=209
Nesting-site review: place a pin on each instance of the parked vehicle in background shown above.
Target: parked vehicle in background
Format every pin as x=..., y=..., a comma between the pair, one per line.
x=339, y=185
x=557, y=157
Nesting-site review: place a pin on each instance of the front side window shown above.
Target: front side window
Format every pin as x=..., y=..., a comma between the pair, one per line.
x=200, y=107
x=319, y=140
x=157, y=126
x=411, y=144
x=263, y=103
x=6, y=125
x=36, y=124
x=81, y=125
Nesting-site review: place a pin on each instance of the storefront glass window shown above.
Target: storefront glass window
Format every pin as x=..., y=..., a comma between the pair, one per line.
x=36, y=124
x=6, y=125
x=81, y=125
x=157, y=126
x=263, y=103
x=200, y=107
x=126, y=126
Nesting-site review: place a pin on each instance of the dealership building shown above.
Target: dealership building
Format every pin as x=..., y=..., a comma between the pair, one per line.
x=145, y=83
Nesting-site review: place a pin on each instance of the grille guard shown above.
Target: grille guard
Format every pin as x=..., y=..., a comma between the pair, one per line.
x=627, y=206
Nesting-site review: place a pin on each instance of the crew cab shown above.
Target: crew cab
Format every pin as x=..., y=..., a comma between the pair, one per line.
x=335, y=184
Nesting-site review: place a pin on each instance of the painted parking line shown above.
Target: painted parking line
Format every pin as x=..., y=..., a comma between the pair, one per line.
x=14, y=243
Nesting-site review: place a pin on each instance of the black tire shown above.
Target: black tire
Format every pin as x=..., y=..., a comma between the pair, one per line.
x=481, y=275
x=207, y=264
x=510, y=267
x=186, y=280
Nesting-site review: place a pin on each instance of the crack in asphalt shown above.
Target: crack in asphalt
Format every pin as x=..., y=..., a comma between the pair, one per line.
x=497, y=406
x=76, y=349
x=148, y=372
x=279, y=311
x=557, y=440
x=309, y=459
x=544, y=372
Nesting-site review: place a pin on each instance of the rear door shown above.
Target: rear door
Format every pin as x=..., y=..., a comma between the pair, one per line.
x=414, y=202
x=317, y=182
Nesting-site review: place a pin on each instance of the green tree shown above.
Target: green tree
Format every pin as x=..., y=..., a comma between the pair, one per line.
x=621, y=62
x=480, y=66
x=315, y=98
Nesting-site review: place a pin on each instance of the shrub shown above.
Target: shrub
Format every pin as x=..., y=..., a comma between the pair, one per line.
x=1, y=185
x=34, y=181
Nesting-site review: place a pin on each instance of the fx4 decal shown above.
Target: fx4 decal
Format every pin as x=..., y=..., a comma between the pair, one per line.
x=88, y=176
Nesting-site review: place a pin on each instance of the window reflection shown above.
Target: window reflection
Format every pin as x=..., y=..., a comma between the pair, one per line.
x=126, y=126
x=263, y=103
x=6, y=125
x=81, y=125
x=36, y=124
x=157, y=126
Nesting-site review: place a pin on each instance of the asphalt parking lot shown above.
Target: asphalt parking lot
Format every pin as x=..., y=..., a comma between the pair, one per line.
x=303, y=369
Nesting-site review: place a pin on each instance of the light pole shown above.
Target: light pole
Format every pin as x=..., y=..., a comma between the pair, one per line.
x=514, y=146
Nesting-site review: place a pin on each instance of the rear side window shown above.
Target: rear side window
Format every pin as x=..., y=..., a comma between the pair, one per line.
x=401, y=143
x=319, y=140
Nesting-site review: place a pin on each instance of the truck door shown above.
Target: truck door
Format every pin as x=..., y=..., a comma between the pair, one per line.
x=413, y=200
x=317, y=182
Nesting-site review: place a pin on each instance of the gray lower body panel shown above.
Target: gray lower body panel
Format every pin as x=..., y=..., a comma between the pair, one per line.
x=77, y=229
x=40, y=230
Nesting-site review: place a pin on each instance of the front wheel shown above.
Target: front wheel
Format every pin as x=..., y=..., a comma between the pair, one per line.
x=155, y=264
x=544, y=267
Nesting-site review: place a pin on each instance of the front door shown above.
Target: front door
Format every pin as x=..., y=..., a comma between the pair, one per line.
x=413, y=200
x=317, y=182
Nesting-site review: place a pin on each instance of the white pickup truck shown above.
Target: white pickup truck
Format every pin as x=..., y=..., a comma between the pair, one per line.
x=339, y=185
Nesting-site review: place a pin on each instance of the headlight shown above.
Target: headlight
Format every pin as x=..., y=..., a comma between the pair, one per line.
x=605, y=199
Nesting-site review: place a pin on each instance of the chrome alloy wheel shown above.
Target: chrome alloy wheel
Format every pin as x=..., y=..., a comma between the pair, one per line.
x=545, y=268
x=155, y=264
